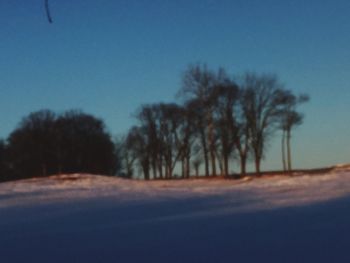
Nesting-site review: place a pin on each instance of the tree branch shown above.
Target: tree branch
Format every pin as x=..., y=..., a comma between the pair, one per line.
x=47, y=9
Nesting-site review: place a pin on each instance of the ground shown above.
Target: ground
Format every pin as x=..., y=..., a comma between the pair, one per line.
x=86, y=218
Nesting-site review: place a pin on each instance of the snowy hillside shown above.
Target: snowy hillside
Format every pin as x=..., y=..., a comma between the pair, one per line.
x=86, y=218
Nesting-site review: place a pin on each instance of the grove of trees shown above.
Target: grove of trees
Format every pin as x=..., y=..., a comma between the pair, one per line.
x=219, y=121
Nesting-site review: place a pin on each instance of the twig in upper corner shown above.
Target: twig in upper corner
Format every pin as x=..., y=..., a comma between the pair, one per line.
x=47, y=9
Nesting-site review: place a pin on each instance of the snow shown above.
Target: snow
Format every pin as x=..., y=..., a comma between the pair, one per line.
x=88, y=218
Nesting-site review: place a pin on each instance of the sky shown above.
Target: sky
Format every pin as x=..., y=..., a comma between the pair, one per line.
x=108, y=57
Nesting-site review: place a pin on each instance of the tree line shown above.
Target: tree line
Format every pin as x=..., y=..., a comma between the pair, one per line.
x=46, y=143
x=220, y=119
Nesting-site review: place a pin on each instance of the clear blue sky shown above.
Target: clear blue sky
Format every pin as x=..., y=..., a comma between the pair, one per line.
x=108, y=57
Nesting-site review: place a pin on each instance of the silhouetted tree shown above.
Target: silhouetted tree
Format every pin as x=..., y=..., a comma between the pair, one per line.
x=224, y=96
x=164, y=126
x=197, y=85
x=3, y=163
x=138, y=142
x=220, y=118
x=126, y=155
x=290, y=118
x=262, y=109
x=187, y=137
x=85, y=144
x=148, y=117
x=171, y=116
x=45, y=144
x=32, y=145
x=242, y=135
x=196, y=131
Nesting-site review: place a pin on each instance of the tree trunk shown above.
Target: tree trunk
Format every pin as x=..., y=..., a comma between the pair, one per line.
x=154, y=168
x=183, y=172
x=257, y=165
x=221, y=166
x=145, y=169
x=284, y=151
x=170, y=172
x=212, y=146
x=243, y=158
x=213, y=162
x=211, y=142
x=206, y=163
x=146, y=175
x=226, y=165
x=289, y=152
x=205, y=154
x=188, y=169
x=128, y=169
x=160, y=169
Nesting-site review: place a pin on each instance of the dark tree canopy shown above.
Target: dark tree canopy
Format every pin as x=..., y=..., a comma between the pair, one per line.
x=45, y=144
x=3, y=166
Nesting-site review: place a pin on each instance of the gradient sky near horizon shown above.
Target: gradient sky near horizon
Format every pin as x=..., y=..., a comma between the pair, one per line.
x=108, y=57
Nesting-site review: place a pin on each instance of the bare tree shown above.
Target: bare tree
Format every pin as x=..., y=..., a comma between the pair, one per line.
x=126, y=154
x=168, y=131
x=224, y=97
x=200, y=130
x=198, y=82
x=221, y=117
x=186, y=137
x=290, y=118
x=262, y=108
x=242, y=135
x=137, y=141
x=170, y=119
x=148, y=116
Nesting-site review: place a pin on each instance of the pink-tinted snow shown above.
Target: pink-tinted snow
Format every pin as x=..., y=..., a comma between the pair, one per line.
x=86, y=218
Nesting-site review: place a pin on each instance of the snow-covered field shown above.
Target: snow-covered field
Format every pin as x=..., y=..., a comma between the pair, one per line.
x=85, y=218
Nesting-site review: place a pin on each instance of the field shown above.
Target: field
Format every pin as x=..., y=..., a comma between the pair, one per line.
x=87, y=218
